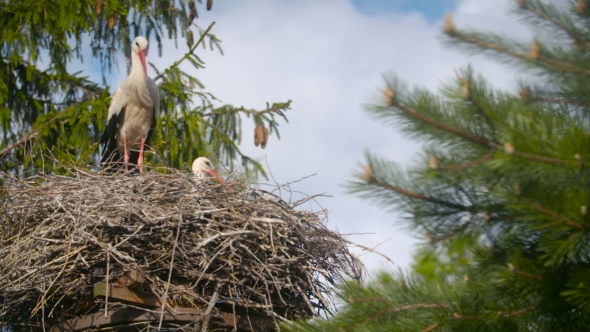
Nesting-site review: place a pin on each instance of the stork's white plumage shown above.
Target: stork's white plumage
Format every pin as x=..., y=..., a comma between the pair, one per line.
x=134, y=108
x=203, y=168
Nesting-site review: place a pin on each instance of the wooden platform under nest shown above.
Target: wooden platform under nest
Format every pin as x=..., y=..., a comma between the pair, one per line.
x=161, y=247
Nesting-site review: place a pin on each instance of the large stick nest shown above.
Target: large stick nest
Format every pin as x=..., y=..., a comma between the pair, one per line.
x=226, y=247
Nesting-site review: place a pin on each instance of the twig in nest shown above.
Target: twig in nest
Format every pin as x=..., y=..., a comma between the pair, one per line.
x=165, y=297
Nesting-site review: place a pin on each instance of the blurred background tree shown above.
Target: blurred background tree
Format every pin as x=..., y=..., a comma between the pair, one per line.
x=45, y=107
x=501, y=191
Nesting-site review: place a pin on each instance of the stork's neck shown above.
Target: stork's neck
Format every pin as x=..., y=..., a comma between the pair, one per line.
x=136, y=66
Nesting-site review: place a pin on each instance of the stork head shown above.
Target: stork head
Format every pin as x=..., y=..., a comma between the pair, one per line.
x=202, y=167
x=139, y=47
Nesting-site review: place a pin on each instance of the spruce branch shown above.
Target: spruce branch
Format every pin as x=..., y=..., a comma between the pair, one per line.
x=35, y=131
x=190, y=52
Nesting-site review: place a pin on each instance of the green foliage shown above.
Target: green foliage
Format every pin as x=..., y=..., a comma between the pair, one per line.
x=39, y=93
x=501, y=192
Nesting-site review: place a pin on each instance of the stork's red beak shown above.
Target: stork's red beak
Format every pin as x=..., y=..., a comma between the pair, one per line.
x=143, y=62
x=216, y=175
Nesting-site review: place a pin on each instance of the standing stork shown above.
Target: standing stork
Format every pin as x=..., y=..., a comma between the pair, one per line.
x=202, y=168
x=134, y=108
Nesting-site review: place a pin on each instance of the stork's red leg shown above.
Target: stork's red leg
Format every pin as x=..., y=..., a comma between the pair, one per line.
x=126, y=153
x=140, y=158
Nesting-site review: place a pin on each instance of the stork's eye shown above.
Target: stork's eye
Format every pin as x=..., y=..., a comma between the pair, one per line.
x=208, y=163
x=136, y=43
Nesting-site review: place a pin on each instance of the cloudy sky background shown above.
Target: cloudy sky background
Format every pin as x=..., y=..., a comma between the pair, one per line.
x=328, y=56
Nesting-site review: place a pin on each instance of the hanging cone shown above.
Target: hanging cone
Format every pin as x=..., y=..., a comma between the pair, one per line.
x=189, y=37
x=260, y=136
x=209, y=4
x=98, y=7
x=192, y=11
x=112, y=22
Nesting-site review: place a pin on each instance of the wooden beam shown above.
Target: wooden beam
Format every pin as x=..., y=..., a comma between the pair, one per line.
x=131, y=279
x=254, y=323
x=124, y=294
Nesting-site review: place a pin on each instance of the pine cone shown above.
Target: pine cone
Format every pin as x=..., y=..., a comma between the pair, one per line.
x=209, y=4
x=98, y=7
x=189, y=37
x=112, y=22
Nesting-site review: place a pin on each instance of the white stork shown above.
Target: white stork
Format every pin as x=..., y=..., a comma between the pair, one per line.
x=202, y=168
x=134, y=108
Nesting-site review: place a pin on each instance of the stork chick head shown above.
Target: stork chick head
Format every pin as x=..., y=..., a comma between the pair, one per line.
x=139, y=47
x=202, y=167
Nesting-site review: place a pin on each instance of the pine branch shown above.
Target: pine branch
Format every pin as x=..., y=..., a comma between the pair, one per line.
x=524, y=5
x=396, y=310
x=536, y=56
x=431, y=327
x=432, y=122
x=553, y=215
x=524, y=274
x=408, y=193
x=478, y=139
x=469, y=164
x=447, y=236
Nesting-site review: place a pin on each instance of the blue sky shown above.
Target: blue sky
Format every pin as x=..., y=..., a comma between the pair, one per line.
x=433, y=10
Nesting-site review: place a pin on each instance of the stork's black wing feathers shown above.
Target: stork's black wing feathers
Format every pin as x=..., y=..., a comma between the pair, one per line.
x=111, y=156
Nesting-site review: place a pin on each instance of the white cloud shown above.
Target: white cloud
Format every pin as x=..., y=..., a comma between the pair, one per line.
x=328, y=59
